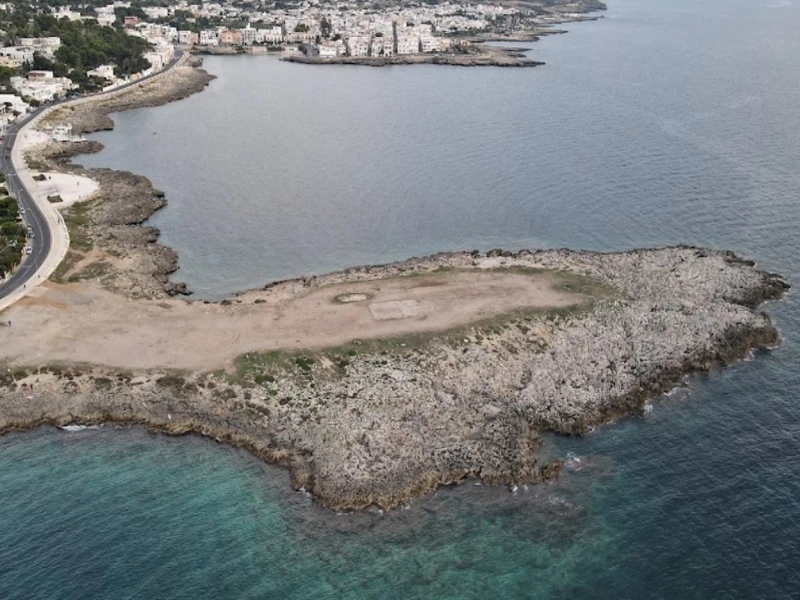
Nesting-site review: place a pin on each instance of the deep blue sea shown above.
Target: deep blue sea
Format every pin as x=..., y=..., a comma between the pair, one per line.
x=668, y=121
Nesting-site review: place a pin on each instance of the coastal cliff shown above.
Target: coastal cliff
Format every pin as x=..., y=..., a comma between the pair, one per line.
x=377, y=422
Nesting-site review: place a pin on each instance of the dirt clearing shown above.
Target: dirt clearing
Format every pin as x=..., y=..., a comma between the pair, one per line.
x=83, y=323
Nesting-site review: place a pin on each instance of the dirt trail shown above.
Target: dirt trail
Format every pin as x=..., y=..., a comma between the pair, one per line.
x=84, y=323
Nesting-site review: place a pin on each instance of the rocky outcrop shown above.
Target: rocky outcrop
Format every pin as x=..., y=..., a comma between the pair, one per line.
x=382, y=422
x=479, y=56
x=91, y=115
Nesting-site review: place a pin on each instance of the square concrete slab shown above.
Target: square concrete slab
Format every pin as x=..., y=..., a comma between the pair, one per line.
x=394, y=309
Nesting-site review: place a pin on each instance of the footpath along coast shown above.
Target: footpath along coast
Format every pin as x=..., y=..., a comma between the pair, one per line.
x=51, y=243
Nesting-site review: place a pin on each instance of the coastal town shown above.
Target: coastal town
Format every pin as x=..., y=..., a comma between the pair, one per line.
x=309, y=28
x=51, y=51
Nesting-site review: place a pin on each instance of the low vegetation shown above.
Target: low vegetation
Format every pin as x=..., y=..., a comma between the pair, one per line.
x=267, y=368
x=76, y=219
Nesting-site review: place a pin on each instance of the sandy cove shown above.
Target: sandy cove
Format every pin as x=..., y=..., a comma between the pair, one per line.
x=375, y=384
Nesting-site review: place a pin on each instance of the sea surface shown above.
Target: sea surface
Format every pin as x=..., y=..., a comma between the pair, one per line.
x=668, y=121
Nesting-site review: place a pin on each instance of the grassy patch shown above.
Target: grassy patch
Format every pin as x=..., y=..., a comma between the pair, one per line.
x=265, y=368
x=93, y=270
x=77, y=220
x=566, y=281
x=65, y=266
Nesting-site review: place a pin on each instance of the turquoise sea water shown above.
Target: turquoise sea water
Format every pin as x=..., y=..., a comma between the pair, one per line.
x=666, y=122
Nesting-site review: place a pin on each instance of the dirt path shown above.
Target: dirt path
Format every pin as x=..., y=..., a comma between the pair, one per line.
x=83, y=323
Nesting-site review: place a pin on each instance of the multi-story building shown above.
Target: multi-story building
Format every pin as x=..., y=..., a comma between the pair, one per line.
x=382, y=46
x=159, y=56
x=428, y=43
x=358, y=46
x=301, y=37
x=407, y=44
x=185, y=37
x=17, y=53
x=248, y=36
x=230, y=37
x=45, y=45
x=269, y=36
x=41, y=86
x=208, y=37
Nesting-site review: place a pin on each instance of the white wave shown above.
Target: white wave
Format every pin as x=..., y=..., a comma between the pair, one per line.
x=74, y=428
x=573, y=462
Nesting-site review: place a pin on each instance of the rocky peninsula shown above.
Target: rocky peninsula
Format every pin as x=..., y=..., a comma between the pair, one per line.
x=400, y=401
x=372, y=385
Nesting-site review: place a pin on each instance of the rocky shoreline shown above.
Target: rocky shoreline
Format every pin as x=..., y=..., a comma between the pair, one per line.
x=380, y=422
x=113, y=224
x=481, y=56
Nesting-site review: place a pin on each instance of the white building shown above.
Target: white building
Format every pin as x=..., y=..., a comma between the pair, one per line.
x=159, y=56
x=13, y=104
x=248, y=36
x=185, y=37
x=105, y=15
x=270, y=36
x=382, y=46
x=358, y=46
x=105, y=19
x=156, y=12
x=327, y=50
x=103, y=71
x=64, y=12
x=17, y=53
x=208, y=37
x=41, y=86
x=407, y=44
x=428, y=43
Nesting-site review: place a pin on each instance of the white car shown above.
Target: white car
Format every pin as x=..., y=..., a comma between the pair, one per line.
x=21, y=210
x=28, y=250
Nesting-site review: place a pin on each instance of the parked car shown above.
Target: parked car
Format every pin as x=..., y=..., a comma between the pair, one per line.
x=28, y=250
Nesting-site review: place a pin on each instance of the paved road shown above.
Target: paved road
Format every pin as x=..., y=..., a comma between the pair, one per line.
x=41, y=244
x=33, y=215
